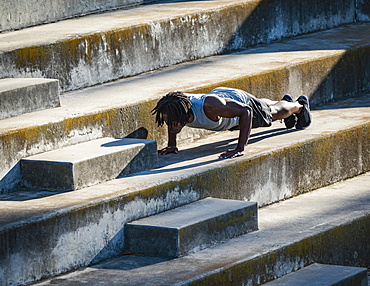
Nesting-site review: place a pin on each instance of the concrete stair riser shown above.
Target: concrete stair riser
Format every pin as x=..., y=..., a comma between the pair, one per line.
x=323, y=79
x=190, y=228
x=87, y=164
x=19, y=14
x=363, y=10
x=335, y=246
x=325, y=275
x=92, y=58
x=18, y=96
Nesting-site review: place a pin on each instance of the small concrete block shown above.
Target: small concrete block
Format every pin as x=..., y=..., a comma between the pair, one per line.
x=190, y=228
x=23, y=95
x=324, y=275
x=87, y=164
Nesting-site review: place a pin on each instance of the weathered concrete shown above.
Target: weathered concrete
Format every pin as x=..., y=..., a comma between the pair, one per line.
x=86, y=164
x=362, y=10
x=296, y=66
x=324, y=275
x=18, y=14
x=22, y=95
x=190, y=228
x=99, y=48
x=73, y=229
x=315, y=227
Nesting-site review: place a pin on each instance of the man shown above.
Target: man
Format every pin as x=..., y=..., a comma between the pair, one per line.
x=227, y=108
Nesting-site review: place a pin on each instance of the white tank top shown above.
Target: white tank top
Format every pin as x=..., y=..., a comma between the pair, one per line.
x=200, y=118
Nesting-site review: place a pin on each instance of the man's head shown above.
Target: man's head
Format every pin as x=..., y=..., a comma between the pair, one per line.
x=173, y=109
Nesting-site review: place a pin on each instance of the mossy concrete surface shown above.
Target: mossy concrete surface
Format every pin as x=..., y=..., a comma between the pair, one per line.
x=65, y=229
x=99, y=48
x=325, y=274
x=325, y=66
x=18, y=14
x=22, y=95
x=329, y=225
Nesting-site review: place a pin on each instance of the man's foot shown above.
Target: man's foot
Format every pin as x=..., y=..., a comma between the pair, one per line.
x=304, y=117
x=291, y=120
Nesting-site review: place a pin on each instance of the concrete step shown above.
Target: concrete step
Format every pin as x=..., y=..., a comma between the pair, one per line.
x=89, y=163
x=22, y=13
x=74, y=229
x=103, y=47
x=315, y=227
x=190, y=228
x=23, y=95
x=324, y=275
x=296, y=66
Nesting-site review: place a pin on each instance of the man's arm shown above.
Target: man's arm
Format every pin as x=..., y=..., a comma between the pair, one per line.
x=215, y=107
x=172, y=144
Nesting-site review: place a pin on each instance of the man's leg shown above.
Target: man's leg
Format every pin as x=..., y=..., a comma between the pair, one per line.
x=283, y=109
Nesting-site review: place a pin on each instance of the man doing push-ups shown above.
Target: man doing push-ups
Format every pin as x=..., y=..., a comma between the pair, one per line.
x=227, y=108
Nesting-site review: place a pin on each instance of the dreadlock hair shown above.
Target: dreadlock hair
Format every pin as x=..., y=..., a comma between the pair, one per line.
x=177, y=107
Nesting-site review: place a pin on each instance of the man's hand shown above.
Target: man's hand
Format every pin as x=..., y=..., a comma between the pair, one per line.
x=167, y=150
x=231, y=153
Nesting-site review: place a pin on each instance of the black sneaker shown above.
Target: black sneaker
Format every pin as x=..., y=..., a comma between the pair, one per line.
x=304, y=117
x=291, y=120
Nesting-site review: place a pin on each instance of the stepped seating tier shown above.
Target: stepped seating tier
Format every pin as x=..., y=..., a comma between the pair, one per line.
x=23, y=95
x=329, y=226
x=89, y=163
x=324, y=275
x=324, y=66
x=190, y=228
x=98, y=48
x=65, y=230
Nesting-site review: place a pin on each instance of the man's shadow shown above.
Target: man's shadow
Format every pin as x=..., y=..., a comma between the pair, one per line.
x=206, y=150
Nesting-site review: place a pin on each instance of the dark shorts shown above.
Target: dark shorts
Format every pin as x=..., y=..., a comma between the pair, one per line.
x=261, y=112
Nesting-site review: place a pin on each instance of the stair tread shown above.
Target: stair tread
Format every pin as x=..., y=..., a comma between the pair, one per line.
x=280, y=225
x=192, y=213
x=90, y=149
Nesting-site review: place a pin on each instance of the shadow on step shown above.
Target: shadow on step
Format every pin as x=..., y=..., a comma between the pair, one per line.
x=130, y=262
x=168, y=163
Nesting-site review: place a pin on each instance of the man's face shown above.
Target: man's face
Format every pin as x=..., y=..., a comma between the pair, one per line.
x=176, y=126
